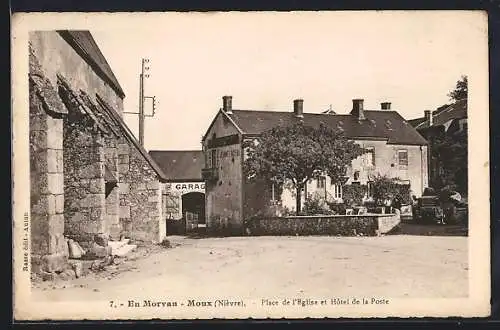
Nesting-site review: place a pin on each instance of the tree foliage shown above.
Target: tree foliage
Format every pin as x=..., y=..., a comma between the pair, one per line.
x=298, y=153
x=451, y=150
x=461, y=90
x=353, y=194
x=386, y=187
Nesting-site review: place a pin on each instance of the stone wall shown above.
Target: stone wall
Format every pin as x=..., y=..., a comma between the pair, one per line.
x=140, y=196
x=224, y=205
x=343, y=225
x=74, y=152
x=171, y=203
x=84, y=190
x=56, y=56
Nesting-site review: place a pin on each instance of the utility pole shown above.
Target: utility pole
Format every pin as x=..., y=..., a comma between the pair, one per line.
x=144, y=74
x=141, y=104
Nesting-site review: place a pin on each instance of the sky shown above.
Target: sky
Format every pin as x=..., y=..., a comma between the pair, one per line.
x=266, y=60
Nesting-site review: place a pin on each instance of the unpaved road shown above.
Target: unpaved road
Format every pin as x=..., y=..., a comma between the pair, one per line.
x=391, y=266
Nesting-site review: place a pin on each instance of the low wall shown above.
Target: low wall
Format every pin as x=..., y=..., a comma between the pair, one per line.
x=343, y=225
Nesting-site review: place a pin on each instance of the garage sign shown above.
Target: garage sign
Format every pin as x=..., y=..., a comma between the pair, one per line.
x=189, y=186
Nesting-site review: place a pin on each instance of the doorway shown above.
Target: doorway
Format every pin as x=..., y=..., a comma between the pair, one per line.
x=193, y=210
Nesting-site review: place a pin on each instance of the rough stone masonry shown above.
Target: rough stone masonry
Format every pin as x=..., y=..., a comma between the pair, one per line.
x=90, y=178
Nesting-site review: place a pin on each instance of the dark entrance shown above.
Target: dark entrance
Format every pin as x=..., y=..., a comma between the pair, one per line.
x=193, y=210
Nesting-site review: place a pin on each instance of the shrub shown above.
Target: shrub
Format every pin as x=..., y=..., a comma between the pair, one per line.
x=353, y=194
x=337, y=208
x=384, y=187
x=315, y=205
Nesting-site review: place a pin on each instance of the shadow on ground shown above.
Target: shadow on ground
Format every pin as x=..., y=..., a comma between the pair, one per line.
x=430, y=230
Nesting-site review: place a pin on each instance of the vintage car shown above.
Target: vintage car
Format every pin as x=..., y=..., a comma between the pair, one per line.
x=440, y=208
x=429, y=210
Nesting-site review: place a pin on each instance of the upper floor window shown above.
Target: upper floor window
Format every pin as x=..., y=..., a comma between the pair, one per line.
x=212, y=158
x=403, y=157
x=370, y=156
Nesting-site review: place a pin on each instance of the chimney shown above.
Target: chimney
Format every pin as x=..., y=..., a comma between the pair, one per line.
x=227, y=104
x=428, y=117
x=385, y=105
x=357, y=109
x=298, y=108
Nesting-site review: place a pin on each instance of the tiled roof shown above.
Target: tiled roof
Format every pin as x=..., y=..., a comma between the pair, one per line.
x=417, y=121
x=180, y=165
x=443, y=114
x=84, y=44
x=457, y=110
x=382, y=124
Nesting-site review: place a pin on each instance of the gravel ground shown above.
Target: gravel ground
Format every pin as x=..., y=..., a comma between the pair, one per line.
x=390, y=266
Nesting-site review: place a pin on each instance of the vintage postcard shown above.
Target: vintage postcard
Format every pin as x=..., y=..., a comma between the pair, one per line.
x=250, y=165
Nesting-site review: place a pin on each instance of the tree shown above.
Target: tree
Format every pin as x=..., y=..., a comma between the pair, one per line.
x=451, y=150
x=461, y=90
x=385, y=186
x=298, y=153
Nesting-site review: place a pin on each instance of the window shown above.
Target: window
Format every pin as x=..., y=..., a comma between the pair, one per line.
x=337, y=191
x=403, y=157
x=370, y=188
x=213, y=153
x=321, y=182
x=208, y=159
x=370, y=156
x=463, y=125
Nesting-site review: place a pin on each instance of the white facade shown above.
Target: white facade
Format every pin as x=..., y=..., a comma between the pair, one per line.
x=406, y=162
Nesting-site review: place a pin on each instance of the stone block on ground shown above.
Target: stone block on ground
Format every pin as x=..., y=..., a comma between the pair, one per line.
x=68, y=274
x=75, y=250
x=100, y=251
x=46, y=276
x=77, y=267
x=124, y=250
x=66, y=247
x=54, y=263
x=101, y=239
x=115, y=245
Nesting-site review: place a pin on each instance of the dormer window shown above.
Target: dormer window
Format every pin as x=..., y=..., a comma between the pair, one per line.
x=388, y=124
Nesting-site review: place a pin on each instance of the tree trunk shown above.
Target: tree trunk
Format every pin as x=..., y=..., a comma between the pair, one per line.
x=298, y=200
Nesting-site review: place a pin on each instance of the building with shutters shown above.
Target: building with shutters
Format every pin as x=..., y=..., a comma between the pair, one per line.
x=396, y=150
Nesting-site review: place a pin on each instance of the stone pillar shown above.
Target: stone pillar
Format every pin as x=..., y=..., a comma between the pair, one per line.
x=112, y=192
x=47, y=186
x=123, y=151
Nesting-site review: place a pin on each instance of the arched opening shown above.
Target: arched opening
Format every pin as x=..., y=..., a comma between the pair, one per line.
x=193, y=209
